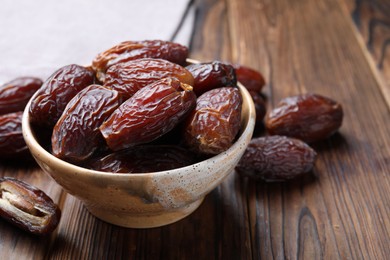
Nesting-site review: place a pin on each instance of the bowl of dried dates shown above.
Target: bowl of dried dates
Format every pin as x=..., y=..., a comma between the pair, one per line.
x=143, y=134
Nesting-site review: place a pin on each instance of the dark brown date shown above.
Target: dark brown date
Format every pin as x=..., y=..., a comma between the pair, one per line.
x=133, y=50
x=148, y=114
x=14, y=95
x=129, y=77
x=213, y=125
x=55, y=93
x=12, y=144
x=27, y=207
x=144, y=158
x=260, y=106
x=309, y=117
x=76, y=135
x=276, y=158
x=250, y=78
x=211, y=75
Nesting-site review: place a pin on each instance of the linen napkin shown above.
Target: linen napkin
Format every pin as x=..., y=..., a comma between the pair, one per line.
x=37, y=37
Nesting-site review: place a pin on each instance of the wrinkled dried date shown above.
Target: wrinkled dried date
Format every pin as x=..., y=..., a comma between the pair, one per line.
x=309, y=117
x=129, y=77
x=250, y=78
x=12, y=144
x=148, y=114
x=211, y=75
x=276, y=158
x=55, y=93
x=76, y=135
x=213, y=125
x=27, y=207
x=133, y=50
x=14, y=95
x=144, y=158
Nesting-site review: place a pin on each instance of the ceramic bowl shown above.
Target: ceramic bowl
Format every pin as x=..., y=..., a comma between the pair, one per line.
x=144, y=200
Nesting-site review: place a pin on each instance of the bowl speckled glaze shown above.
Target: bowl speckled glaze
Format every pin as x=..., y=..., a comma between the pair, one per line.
x=144, y=200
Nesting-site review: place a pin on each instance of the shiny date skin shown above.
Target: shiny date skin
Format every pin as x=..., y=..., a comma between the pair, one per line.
x=12, y=144
x=15, y=94
x=276, y=158
x=150, y=113
x=252, y=79
x=133, y=50
x=55, y=93
x=76, y=135
x=143, y=159
x=213, y=125
x=129, y=77
x=309, y=117
x=211, y=75
x=27, y=207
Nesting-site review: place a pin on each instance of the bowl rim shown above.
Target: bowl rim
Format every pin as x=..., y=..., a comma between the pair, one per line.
x=29, y=137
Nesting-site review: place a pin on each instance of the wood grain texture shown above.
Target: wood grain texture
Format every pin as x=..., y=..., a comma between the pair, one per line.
x=210, y=40
x=372, y=21
x=341, y=211
x=308, y=46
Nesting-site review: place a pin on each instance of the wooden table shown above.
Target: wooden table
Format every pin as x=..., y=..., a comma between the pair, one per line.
x=338, y=48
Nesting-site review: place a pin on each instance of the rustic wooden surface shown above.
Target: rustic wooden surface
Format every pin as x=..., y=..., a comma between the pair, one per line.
x=340, y=49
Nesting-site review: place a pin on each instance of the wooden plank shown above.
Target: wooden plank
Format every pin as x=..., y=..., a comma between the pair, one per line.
x=372, y=21
x=308, y=46
x=210, y=40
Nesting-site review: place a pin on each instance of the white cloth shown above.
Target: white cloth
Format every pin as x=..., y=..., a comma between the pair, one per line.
x=37, y=37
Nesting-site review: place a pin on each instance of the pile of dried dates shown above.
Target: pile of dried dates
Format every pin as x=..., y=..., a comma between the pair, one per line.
x=140, y=107
x=137, y=99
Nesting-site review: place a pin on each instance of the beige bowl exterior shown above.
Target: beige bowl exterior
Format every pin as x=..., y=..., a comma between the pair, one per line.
x=144, y=200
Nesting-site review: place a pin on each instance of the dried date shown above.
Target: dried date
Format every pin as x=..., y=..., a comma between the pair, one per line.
x=213, y=125
x=55, y=93
x=14, y=95
x=309, y=117
x=260, y=106
x=12, y=144
x=129, y=77
x=211, y=75
x=252, y=79
x=76, y=135
x=276, y=158
x=143, y=159
x=148, y=114
x=27, y=207
x=133, y=50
